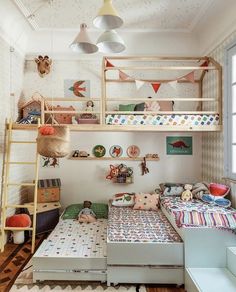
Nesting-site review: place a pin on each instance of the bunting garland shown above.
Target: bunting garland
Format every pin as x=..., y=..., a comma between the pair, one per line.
x=156, y=85
x=139, y=84
x=109, y=64
x=123, y=76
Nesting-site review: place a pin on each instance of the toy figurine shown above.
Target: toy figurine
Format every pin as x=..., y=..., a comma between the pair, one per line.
x=89, y=106
x=86, y=215
x=187, y=194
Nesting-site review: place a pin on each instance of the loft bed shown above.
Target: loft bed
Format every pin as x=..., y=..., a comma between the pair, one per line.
x=186, y=96
x=180, y=89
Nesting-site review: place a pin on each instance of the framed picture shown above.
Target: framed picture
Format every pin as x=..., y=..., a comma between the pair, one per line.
x=179, y=145
x=48, y=162
x=77, y=88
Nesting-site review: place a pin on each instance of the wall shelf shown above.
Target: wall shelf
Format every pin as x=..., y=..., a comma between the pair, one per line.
x=112, y=158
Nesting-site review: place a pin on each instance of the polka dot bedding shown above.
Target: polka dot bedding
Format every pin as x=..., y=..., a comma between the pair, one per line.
x=166, y=120
x=73, y=239
x=128, y=225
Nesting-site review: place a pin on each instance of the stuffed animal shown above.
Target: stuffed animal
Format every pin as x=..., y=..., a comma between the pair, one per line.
x=187, y=194
x=21, y=221
x=86, y=215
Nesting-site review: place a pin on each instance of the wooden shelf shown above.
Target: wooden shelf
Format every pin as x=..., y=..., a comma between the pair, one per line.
x=112, y=158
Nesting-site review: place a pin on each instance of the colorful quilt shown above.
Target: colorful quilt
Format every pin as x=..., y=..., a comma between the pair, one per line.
x=72, y=239
x=128, y=225
x=196, y=213
x=166, y=120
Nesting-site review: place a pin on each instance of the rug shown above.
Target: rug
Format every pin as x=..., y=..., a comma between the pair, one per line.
x=11, y=267
x=24, y=282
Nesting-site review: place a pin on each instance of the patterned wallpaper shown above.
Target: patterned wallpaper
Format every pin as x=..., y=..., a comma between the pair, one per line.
x=213, y=143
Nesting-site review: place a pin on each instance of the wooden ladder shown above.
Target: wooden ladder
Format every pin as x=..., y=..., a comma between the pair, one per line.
x=7, y=184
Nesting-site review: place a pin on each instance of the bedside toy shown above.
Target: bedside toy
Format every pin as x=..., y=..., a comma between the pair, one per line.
x=187, y=194
x=19, y=220
x=86, y=215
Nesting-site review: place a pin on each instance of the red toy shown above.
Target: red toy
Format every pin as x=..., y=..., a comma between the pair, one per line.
x=218, y=189
x=113, y=172
x=19, y=220
x=46, y=130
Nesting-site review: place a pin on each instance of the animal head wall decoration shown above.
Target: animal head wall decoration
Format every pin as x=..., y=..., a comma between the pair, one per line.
x=43, y=65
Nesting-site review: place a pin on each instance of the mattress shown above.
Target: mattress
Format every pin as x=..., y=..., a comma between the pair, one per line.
x=166, y=120
x=128, y=225
x=174, y=204
x=73, y=239
x=196, y=213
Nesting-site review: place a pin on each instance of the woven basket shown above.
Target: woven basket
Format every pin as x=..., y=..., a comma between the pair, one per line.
x=56, y=145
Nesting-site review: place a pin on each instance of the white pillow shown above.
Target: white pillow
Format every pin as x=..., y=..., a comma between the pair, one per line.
x=123, y=200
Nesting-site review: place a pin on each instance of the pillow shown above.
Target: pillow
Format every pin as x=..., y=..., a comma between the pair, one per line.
x=166, y=106
x=172, y=189
x=139, y=107
x=126, y=107
x=72, y=211
x=149, y=202
x=152, y=106
x=123, y=200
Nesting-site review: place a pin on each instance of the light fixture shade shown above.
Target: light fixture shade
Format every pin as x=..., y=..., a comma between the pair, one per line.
x=107, y=17
x=82, y=43
x=110, y=42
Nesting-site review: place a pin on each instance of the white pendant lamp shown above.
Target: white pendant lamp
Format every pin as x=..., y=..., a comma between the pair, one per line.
x=107, y=17
x=82, y=43
x=110, y=42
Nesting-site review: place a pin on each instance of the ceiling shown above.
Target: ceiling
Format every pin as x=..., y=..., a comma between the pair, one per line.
x=160, y=15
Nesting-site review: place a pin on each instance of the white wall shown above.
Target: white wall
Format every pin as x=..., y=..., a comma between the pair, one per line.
x=86, y=179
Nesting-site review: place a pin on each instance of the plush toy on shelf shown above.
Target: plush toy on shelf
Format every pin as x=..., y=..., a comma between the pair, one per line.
x=187, y=194
x=86, y=215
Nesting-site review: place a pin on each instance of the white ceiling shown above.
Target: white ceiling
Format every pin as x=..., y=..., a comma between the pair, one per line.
x=160, y=15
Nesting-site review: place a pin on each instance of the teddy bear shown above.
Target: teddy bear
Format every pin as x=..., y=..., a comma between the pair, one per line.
x=187, y=194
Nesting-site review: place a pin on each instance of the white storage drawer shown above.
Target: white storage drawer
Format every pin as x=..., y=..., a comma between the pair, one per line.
x=154, y=253
x=145, y=274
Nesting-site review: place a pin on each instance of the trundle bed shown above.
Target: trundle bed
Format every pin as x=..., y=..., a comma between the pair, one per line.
x=137, y=247
x=73, y=251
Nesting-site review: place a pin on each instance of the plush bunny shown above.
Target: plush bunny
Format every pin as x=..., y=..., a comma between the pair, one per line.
x=187, y=194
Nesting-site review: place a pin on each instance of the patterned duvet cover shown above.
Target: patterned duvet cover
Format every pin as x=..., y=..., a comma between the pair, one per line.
x=128, y=225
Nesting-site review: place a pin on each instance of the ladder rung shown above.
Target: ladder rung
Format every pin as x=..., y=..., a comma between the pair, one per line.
x=20, y=162
x=22, y=142
x=20, y=184
x=19, y=206
x=18, y=228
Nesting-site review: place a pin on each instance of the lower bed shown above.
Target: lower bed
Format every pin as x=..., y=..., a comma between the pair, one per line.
x=143, y=247
x=73, y=251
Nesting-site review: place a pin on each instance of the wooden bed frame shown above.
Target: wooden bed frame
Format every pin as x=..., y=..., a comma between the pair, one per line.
x=104, y=101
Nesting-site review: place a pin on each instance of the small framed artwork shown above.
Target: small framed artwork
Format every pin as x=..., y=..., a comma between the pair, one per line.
x=179, y=145
x=77, y=88
x=49, y=162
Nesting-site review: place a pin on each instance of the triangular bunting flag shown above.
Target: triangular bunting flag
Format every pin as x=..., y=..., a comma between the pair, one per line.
x=139, y=84
x=123, y=76
x=156, y=86
x=109, y=64
x=190, y=77
x=173, y=84
x=205, y=64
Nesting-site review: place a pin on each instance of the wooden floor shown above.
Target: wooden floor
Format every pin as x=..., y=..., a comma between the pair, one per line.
x=15, y=257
